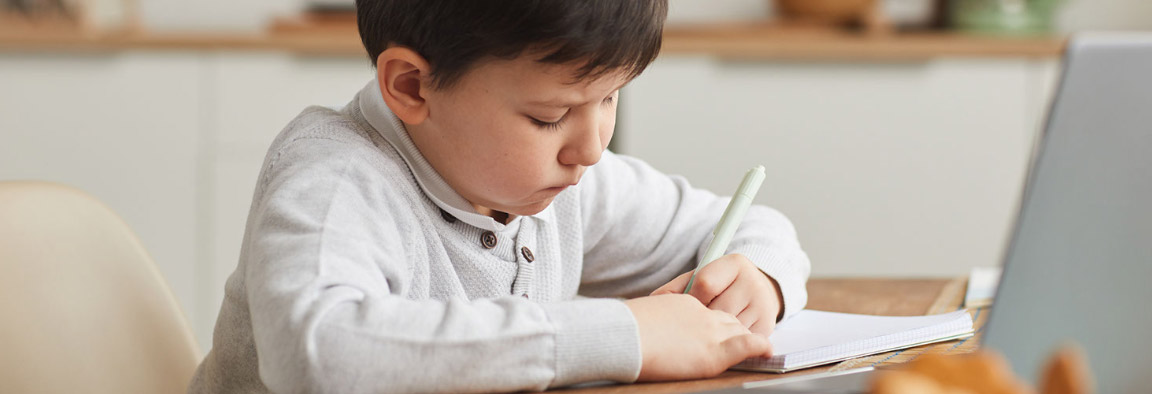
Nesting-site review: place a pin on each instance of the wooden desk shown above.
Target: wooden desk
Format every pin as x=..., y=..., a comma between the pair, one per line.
x=894, y=297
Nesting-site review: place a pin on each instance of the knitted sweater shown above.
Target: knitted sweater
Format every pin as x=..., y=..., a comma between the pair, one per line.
x=361, y=272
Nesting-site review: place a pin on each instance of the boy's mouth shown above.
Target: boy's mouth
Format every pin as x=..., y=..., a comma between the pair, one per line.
x=561, y=188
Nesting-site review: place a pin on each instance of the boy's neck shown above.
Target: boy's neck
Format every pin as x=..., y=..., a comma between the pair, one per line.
x=502, y=217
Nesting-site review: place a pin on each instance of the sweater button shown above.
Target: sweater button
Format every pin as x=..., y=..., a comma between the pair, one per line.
x=527, y=253
x=447, y=216
x=488, y=240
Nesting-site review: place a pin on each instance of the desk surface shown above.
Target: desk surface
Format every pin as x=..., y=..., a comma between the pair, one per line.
x=894, y=297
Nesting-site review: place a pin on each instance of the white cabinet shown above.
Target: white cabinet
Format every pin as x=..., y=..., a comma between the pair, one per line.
x=170, y=140
x=887, y=169
x=125, y=128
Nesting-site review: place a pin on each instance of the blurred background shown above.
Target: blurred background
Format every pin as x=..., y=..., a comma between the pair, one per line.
x=896, y=133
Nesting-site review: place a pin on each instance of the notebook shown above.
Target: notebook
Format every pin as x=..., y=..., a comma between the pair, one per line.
x=812, y=338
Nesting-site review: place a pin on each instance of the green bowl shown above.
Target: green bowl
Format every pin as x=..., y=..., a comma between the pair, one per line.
x=1004, y=17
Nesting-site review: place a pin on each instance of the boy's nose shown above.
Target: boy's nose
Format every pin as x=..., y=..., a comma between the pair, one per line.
x=583, y=149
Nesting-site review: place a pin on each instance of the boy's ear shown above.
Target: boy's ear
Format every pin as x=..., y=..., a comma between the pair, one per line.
x=401, y=73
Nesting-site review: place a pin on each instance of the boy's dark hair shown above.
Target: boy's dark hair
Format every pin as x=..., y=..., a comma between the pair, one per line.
x=452, y=35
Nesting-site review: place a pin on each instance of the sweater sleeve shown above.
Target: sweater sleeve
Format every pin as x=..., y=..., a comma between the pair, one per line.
x=643, y=228
x=325, y=276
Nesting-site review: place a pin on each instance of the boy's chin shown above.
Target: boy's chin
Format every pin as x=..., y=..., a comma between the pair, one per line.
x=531, y=209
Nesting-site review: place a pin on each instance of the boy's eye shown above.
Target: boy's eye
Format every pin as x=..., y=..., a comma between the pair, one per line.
x=547, y=125
x=609, y=100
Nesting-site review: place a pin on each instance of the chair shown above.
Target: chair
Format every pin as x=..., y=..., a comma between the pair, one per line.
x=83, y=307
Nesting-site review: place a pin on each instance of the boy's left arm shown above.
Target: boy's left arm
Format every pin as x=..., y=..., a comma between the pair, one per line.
x=643, y=228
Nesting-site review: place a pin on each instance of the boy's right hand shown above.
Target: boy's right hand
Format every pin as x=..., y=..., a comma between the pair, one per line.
x=680, y=338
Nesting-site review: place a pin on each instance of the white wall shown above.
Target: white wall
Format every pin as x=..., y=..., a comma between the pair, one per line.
x=1080, y=15
x=245, y=15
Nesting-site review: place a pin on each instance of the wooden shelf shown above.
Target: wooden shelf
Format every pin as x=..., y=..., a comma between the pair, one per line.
x=763, y=41
x=750, y=42
x=308, y=44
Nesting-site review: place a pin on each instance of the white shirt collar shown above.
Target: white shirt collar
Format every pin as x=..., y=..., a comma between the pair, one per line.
x=377, y=113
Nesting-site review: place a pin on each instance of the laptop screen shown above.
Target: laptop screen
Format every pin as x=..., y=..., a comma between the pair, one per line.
x=1079, y=267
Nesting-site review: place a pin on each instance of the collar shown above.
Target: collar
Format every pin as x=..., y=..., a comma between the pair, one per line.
x=381, y=118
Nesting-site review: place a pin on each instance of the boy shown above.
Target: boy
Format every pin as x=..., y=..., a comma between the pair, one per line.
x=435, y=233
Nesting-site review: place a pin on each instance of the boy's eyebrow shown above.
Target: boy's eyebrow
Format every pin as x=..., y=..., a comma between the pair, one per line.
x=560, y=103
x=551, y=103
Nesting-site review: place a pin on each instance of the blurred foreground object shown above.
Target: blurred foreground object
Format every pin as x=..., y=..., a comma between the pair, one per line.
x=1067, y=372
x=984, y=372
x=85, y=308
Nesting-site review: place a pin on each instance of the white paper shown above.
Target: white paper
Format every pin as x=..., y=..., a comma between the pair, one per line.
x=815, y=337
x=981, y=286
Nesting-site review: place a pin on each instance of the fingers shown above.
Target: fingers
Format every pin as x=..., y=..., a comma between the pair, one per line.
x=713, y=279
x=744, y=346
x=676, y=286
x=736, y=302
x=732, y=325
x=763, y=326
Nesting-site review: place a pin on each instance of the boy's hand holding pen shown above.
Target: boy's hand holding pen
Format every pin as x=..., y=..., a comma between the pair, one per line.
x=715, y=316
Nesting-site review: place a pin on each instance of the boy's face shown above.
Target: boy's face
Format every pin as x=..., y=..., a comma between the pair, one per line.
x=512, y=134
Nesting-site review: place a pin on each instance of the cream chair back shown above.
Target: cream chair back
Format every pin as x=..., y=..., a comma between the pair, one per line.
x=83, y=307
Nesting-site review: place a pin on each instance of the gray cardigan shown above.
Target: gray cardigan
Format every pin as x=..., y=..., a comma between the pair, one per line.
x=356, y=276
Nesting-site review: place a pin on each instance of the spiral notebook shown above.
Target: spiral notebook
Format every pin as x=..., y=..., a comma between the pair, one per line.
x=811, y=338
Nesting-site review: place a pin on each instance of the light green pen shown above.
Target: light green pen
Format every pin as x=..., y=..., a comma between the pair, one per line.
x=726, y=228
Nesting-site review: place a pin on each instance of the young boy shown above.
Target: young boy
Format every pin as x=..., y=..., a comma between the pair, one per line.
x=459, y=225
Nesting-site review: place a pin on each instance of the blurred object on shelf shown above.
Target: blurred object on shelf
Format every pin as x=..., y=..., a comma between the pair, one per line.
x=710, y=12
x=109, y=14
x=35, y=15
x=330, y=7
x=867, y=15
x=311, y=23
x=913, y=14
x=34, y=8
x=320, y=17
x=1004, y=17
x=28, y=14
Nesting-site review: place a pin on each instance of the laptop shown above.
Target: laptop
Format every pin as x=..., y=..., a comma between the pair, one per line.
x=1079, y=265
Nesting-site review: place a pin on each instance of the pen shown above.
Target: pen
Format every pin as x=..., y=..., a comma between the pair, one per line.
x=730, y=220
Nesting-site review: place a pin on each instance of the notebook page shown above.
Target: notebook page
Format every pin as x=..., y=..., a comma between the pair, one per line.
x=815, y=329
x=949, y=330
x=813, y=336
